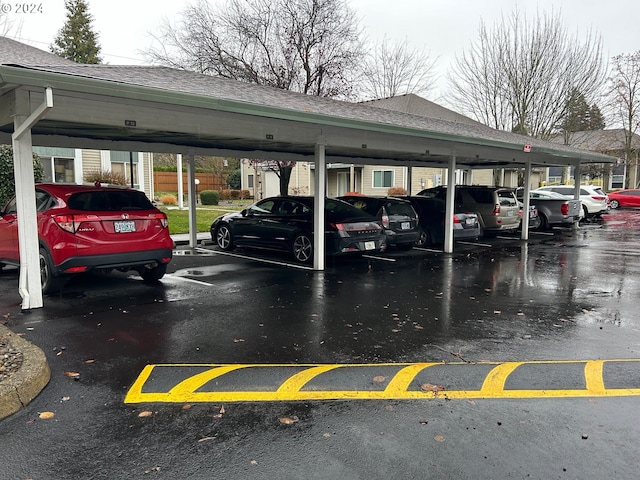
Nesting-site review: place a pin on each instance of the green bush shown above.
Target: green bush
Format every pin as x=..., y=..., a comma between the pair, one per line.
x=209, y=197
x=7, y=179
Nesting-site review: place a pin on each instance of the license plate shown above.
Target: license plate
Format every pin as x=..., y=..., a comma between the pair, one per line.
x=369, y=245
x=125, y=226
x=510, y=213
x=405, y=225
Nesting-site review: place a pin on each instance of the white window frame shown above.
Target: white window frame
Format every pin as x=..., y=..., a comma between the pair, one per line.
x=382, y=172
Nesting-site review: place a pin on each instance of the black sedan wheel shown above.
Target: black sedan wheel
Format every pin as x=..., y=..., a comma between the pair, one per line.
x=424, y=239
x=302, y=248
x=224, y=239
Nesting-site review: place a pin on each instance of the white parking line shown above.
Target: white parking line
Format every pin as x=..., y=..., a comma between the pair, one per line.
x=187, y=279
x=475, y=244
x=385, y=259
x=262, y=260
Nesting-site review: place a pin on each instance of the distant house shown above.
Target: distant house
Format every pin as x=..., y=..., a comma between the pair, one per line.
x=610, y=142
x=377, y=179
x=70, y=165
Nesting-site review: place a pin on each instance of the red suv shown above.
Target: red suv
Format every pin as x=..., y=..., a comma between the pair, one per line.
x=82, y=228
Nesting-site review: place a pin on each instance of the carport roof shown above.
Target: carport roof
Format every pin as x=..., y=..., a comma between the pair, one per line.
x=167, y=110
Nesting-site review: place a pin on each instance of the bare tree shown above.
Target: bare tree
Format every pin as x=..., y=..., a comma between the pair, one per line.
x=519, y=75
x=395, y=68
x=624, y=100
x=309, y=46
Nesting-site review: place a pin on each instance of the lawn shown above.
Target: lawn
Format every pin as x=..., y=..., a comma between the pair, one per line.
x=179, y=219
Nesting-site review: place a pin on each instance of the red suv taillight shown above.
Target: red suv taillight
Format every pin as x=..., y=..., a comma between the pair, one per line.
x=496, y=210
x=598, y=197
x=456, y=219
x=564, y=209
x=162, y=217
x=70, y=223
x=385, y=220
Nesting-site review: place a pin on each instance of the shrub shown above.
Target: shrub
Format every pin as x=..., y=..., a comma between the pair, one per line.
x=232, y=194
x=209, y=197
x=168, y=200
x=352, y=194
x=7, y=179
x=106, y=176
x=393, y=191
x=245, y=194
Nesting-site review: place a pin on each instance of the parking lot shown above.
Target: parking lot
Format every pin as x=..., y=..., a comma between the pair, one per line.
x=505, y=359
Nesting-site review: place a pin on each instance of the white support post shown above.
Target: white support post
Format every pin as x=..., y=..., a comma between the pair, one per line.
x=191, y=199
x=320, y=188
x=180, y=189
x=29, y=284
x=449, y=210
x=526, y=202
x=577, y=173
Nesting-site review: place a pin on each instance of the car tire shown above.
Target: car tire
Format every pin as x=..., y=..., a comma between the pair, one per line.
x=544, y=222
x=302, y=248
x=224, y=237
x=50, y=282
x=424, y=238
x=153, y=274
x=586, y=212
x=614, y=204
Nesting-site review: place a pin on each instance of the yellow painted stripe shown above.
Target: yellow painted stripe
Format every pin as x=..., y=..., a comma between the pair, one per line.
x=397, y=388
x=496, y=378
x=593, y=374
x=300, y=379
x=401, y=380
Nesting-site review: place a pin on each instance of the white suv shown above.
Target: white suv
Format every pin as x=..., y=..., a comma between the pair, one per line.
x=594, y=201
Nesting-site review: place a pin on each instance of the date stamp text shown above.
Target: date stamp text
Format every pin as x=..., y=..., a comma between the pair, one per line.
x=20, y=8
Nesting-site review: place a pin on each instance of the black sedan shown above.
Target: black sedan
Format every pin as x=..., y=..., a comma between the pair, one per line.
x=286, y=224
x=431, y=212
x=398, y=217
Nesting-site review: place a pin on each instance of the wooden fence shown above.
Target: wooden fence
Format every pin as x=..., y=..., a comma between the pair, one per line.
x=168, y=181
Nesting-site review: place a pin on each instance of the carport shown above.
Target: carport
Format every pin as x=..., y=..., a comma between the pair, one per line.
x=159, y=109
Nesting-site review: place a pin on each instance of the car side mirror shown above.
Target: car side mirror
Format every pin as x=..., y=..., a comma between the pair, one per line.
x=244, y=212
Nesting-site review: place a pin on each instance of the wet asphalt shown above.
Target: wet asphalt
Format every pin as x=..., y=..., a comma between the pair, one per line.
x=564, y=296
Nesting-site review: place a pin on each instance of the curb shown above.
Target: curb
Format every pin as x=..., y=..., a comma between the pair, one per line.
x=24, y=385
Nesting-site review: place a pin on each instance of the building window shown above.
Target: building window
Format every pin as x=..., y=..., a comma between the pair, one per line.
x=124, y=169
x=250, y=181
x=382, y=178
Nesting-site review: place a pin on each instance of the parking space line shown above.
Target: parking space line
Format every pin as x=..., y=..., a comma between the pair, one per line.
x=183, y=383
x=475, y=244
x=384, y=259
x=187, y=279
x=261, y=260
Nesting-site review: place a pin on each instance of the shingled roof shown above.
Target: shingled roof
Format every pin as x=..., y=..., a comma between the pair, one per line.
x=162, y=85
x=14, y=52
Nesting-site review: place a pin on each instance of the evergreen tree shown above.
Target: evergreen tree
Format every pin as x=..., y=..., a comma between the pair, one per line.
x=76, y=40
x=580, y=116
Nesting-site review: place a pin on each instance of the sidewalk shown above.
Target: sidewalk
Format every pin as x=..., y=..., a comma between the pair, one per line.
x=183, y=238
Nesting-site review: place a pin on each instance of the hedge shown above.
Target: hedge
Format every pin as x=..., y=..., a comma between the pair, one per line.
x=209, y=197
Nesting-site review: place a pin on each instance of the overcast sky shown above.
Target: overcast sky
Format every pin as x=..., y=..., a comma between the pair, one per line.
x=443, y=27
